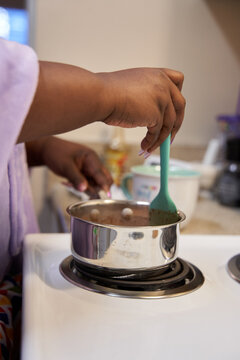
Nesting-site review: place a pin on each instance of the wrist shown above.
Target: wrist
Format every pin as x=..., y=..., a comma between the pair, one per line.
x=106, y=96
x=36, y=151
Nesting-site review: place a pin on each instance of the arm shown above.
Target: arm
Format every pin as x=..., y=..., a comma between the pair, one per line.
x=68, y=97
x=77, y=163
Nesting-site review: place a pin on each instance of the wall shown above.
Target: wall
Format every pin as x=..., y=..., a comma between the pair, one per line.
x=200, y=38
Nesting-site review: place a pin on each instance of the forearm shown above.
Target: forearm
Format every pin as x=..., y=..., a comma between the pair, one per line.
x=67, y=97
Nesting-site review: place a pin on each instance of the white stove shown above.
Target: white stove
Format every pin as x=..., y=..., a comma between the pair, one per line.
x=64, y=321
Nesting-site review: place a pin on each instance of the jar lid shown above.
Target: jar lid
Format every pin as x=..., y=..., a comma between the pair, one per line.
x=174, y=171
x=229, y=124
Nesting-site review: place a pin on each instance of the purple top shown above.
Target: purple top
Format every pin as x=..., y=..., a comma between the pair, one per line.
x=18, y=82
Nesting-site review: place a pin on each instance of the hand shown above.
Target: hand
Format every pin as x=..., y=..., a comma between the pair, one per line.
x=79, y=164
x=147, y=97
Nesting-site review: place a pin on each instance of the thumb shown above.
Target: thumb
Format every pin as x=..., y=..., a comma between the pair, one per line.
x=73, y=174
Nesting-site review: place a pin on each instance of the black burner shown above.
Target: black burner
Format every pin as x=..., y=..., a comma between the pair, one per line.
x=178, y=278
x=176, y=274
x=234, y=267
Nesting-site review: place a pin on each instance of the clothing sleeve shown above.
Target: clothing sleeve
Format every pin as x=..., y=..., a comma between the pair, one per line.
x=18, y=81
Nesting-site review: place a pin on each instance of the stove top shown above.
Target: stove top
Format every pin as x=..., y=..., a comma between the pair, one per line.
x=63, y=321
x=178, y=278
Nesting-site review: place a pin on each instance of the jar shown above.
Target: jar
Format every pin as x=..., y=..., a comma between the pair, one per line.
x=115, y=154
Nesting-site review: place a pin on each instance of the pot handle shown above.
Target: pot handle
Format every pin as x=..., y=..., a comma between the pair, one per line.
x=124, y=185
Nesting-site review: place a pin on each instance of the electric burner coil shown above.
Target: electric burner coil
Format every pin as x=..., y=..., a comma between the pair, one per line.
x=179, y=278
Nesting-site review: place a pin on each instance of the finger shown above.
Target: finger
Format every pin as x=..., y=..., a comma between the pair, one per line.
x=93, y=168
x=101, y=179
x=168, y=124
x=108, y=176
x=179, y=104
x=73, y=174
x=176, y=77
x=151, y=137
x=177, y=125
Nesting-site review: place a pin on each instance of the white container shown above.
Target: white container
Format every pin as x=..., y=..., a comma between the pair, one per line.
x=143, y=184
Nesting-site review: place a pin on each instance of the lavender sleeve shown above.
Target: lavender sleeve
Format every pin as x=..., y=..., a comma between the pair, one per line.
x=18, y=81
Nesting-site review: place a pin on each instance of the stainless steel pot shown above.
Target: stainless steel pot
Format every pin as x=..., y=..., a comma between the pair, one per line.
x=119, y=249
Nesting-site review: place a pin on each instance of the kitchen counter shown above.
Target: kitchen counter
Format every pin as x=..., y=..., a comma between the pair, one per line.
x=209, y=218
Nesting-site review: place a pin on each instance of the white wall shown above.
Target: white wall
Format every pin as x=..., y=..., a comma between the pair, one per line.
x=195, y=36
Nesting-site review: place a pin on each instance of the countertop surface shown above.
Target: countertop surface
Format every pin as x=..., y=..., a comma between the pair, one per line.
x=64, y=321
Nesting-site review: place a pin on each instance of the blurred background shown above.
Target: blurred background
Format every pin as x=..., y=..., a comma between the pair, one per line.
x=198, y=37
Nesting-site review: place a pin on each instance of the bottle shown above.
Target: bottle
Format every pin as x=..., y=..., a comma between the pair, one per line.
x=115, y=154
x=228, y=183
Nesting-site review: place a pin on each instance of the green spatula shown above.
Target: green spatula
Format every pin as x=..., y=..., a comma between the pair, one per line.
x=162, y=210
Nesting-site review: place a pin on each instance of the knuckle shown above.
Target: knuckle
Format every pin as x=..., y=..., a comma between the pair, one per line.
x=163, y=72
x=180, y=104
x=164, y=97
x=99, y=175
x=90, y=153
x=181, y=76
x=146, y=142
x=176, y=127
x=148, y=138
x=183, y=102
x=170, y=117
x=177, y=124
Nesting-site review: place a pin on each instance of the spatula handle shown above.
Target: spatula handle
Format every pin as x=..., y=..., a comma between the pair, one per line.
x=164, y=156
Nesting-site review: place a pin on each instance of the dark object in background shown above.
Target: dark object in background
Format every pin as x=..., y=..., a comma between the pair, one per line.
x=227, y=189
x=16, y=4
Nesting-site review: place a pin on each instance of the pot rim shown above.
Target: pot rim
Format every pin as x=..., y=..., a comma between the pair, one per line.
x=128, y=203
